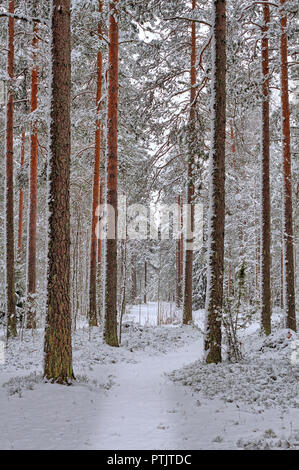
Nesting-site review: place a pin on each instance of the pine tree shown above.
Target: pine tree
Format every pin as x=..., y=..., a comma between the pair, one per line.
x=99, y=257
x=110, y=328
x=187, y=308
x=265, y=257
x=31, y=259
x=9, y=189
x=58, y=340
x=21, y=200
x=217, y=187
x=95, y=197
x=179, y=256
x=288, y=237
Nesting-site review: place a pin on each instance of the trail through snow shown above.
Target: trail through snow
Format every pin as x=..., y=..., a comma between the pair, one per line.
x=146, y=409
x=123, y=398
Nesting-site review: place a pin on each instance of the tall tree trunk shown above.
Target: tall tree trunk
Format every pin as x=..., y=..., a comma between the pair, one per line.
x=123, y=278
x=265, y=182
x=110, y=330
x=95, y=198
x=181, y=257
x=58, y=332
x=179, y=280
x=217, y=188
x=99, y=261
x=281, y=276
x=21, y=201
x=233, y=148
x=31, y=261
x=187, y=308
x=99, y=219
x=288, y=237
x=229, y=273
x=145, y=282
x=9, y=184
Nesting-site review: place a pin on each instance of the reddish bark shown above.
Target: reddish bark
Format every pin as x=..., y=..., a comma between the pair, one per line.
x=265, y=182
x=31, y=261
x=288, y=236
x=187, y=309
x=110, y=330
x=9, y=188
x=95, y=197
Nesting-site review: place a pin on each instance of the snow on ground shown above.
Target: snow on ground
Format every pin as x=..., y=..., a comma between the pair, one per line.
x=131, y=398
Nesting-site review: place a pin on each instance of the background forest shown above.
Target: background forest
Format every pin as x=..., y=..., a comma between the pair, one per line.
x=167, y=343
x=164, y=140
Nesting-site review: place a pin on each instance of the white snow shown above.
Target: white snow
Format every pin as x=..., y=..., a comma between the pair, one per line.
x=131, y=398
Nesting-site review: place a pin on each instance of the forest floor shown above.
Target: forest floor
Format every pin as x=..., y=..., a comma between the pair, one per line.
x=153, y=392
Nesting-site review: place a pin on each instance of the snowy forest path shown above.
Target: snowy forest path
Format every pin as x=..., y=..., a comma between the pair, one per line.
x=145, y=409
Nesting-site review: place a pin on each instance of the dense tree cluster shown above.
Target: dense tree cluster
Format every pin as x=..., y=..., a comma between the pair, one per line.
x=160, y=102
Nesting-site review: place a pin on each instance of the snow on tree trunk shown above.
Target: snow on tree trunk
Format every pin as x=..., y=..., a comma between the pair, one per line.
x=187, y=308
x=21, y=201
x=110, y=327
x=58, y=340
x=217, y=188
x=99, y=259
x=9, y=184
x=95, y=198
x=288, y=237
x=233, y=149
x=265, y=255
x=179, y=257
x=134, y=279
x=145, y=282
x=31, y=255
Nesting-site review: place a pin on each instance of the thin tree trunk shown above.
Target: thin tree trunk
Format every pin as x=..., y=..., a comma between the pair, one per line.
x=58, y=332
x=95, y=198
x=145, y=282
x=99, y=261
x=233, y=148
x=187, y=308
x=288, y=237
x=134, y=279
x=123, y=287
x=21, y=202
x=229, y=273
x=31, y=261
x=265, y=183
x=179, y=280
x=181, y=256
x=110, y=330
x=9, y=184
x=217, y=188
x=281, y=276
